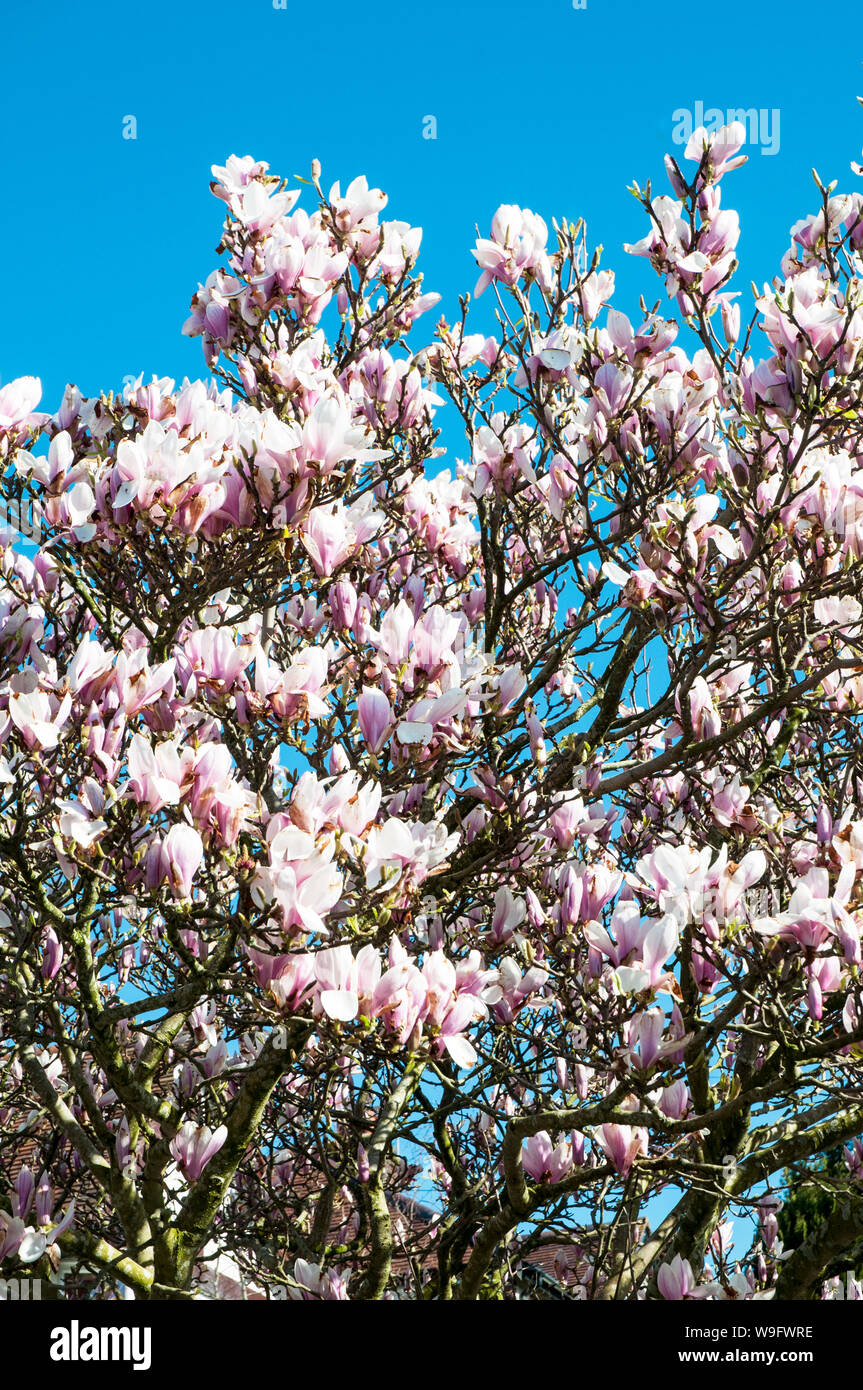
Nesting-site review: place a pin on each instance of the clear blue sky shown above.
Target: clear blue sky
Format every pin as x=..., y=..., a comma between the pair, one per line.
x=104, y=240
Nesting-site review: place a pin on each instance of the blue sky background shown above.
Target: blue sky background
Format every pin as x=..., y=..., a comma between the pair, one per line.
x=104, y=239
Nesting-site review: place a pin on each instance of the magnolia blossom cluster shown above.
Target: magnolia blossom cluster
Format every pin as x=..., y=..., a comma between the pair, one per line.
x=439, y=1000
x=499, y=808
x=30, y=1242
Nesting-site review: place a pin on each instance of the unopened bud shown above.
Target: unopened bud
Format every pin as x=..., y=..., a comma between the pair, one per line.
x=824, y=825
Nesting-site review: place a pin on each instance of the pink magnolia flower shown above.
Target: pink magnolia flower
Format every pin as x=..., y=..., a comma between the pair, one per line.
x=29, y=1243
x=139, y=685
x=213, y=655
x=90, y=670
x=622, y=1144
x=182, y=855
x=768, y=1219
x=297, y=692
x=509, y=913
x=825, y=974
x=336, y=974
x=517, y=245
x=722, y=146
x=674, y=1100
x=306, y=888
x=23, y=1192
x=544, y=1161
x=79, y=821
x=645, y=1038
x=368, y=966
x=155, y=775
x=536, y=736
x=596, y=289
x=375, y=717
x=401, y=998
x=235, y=175
x=722, y=1239
x=290, y=978
x=703, y=714
x=52, y=953
x=510, y=686
x=644, y=945
x=358, y=205
x=433, y=638
x=465, y=1009
x=843, y=613
x=312, y=1283
x=12, y=1233
x=343, y=603
x=194, y=1146
x=449, y=1012
x=675, y=1280
x=388, y=849
x=328, y=537
x=854, y=1159
x=515, y=988
x=37, y=717
x=18, y=400
x=394, y=638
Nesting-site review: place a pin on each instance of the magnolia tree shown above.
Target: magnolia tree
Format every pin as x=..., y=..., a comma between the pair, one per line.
x=365, y=817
